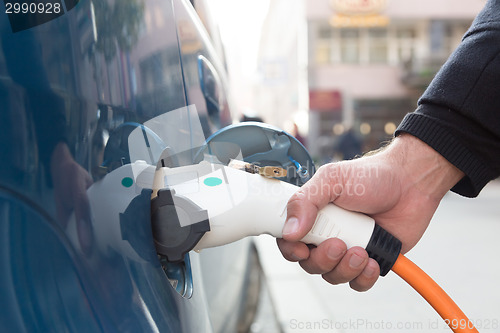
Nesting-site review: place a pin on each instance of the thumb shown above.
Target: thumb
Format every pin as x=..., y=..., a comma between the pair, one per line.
x=303, y=206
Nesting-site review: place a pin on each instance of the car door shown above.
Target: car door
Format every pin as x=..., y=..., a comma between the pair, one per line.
x=72, y=88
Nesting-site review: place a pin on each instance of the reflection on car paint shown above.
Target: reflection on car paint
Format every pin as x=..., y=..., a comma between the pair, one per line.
x=70, y=88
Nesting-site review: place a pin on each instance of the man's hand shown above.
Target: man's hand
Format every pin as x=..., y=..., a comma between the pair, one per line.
x=400, y=187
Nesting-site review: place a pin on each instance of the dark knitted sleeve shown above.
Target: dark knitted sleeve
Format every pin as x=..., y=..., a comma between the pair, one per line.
x=459, y=113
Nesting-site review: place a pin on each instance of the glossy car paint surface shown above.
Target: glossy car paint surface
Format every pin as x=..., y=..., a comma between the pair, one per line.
x=77, y=84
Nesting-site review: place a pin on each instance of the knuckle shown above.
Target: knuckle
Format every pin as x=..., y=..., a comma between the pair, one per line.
x=332, y=279
x=359, y=286
x=297, y=198
x=291, y=251
x=325, y=168
x=311, y=267
x=284, y=247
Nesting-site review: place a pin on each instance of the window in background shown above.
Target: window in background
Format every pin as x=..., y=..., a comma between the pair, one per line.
x=324, y=45
x=405, y=44
x=377, y=42
x=350, y=46
x=394, y=45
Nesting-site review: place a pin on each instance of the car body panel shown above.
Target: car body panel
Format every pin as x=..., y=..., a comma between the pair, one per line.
x=78, y=80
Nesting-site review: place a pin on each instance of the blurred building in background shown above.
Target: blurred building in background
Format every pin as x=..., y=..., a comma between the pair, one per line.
x=370, y=60
x=281, y=92
x=328, y=66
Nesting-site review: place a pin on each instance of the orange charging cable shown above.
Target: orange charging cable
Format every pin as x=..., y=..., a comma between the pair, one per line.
x=434, y=295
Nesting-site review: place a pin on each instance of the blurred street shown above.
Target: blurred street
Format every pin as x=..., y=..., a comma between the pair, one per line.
x=459, y=251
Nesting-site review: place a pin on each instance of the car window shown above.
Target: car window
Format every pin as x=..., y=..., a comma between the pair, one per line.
x=203, y=72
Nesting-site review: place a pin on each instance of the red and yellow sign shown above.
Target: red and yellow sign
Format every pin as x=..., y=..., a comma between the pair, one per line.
x=325, y=100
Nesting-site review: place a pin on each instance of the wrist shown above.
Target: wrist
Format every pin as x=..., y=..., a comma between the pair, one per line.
x=421, y=168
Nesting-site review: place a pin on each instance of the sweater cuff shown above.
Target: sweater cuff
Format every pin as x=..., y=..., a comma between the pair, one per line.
x=477, y=174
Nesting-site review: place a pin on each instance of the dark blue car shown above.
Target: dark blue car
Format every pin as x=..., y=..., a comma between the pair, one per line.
x=76, y=78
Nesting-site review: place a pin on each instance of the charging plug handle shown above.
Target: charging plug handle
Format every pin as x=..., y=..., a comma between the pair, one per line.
x=259, y=206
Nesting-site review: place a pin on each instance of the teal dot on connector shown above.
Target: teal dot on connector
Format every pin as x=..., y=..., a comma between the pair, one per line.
x=127, y=181
x=212, y=181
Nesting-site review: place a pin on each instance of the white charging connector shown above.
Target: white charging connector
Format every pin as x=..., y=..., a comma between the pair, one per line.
x=241, y=204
